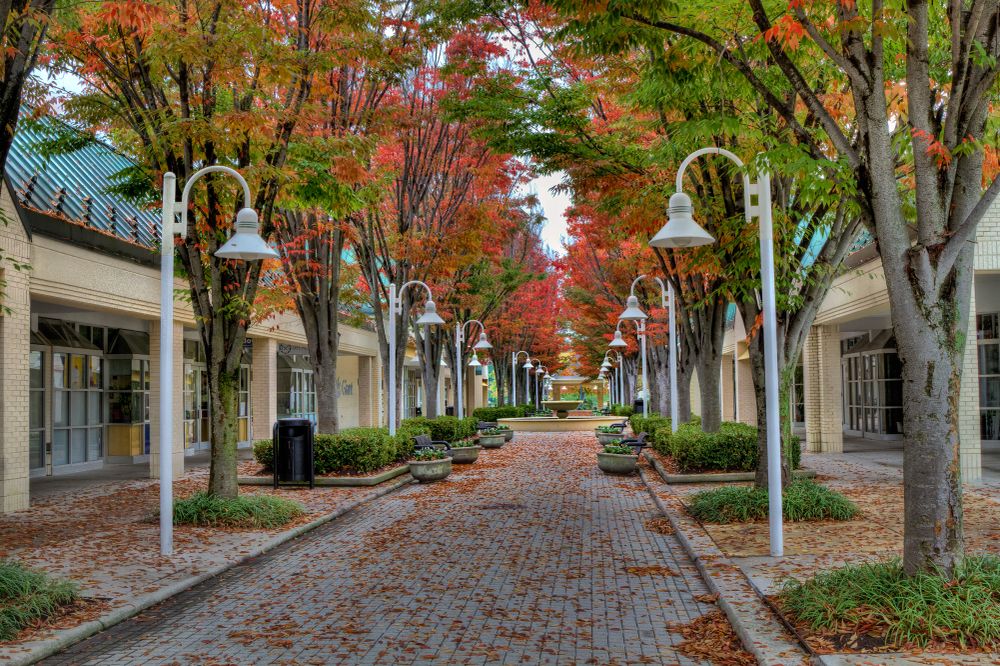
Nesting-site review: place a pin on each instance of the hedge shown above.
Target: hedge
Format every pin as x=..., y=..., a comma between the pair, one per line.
x=732, y=449
x=648, y=424
x=622, y=410
x=493, y=413
x=355, y=450
x=447, y=428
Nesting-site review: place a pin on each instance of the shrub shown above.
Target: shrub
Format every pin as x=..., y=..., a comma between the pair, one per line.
x=446, y=428
x=801, y=500
x=245, y=511
x=919, y=609
x=622, y=410
x=650, y=424
x=27, y=596
x=494, y=413
x=732, y=449
x=355, y=450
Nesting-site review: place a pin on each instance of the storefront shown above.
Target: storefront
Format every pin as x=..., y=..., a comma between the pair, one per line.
x=296, y=384
x=873, y=386
x=197, y=424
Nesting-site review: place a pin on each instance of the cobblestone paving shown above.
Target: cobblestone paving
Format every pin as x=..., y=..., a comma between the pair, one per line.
x=529, y=556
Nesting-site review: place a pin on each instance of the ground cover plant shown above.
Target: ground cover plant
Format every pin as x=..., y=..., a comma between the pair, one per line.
x=616, y=448
x=27, y=596
x=878, y=598
x=429, y=454
x=244, y=511
x=802, y=500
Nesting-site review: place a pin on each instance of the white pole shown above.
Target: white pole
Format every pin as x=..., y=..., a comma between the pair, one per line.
x=392, y=359
x=736, y=377
x=527, y=388
x=674, y=407
x=770, y=366
x=513, y=379
x=645, y=381
x=459, y=368
x=621, y=379
x=167, y=366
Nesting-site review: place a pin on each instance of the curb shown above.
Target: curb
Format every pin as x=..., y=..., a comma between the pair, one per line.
x=726, y=477
x=761, y=633
x=331, y=481
x=68, y=637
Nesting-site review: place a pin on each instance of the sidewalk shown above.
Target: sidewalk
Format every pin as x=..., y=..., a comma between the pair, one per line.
x=875, y=485
x=104, y=535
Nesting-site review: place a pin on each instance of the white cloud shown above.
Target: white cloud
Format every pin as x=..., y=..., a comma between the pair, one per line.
x=554, y=205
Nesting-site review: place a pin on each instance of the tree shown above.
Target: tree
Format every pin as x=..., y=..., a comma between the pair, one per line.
x=185, y=84
x=912, y=135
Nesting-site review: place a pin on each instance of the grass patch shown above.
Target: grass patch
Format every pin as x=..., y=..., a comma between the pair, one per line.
x=878, y=598
x=245, y=511
x=27, y=596
x=802, y=500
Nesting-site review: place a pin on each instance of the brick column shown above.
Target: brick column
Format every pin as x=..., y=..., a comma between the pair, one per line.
x=15, y=341
x=728, y=406
x=177, y=388
x=969, y=435
x=367, y=400
x=263, y=387
x=744, y=393
x=823, y=390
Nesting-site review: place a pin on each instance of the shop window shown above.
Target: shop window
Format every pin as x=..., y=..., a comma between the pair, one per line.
x=36, y=409
x=988, y=334
x=77, y=398
x=296, y=387
x=873, y=388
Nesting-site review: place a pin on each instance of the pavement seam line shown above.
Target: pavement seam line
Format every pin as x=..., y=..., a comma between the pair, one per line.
x=69, y=637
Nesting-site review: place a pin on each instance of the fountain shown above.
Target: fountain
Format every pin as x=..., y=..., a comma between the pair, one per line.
x=564, y=418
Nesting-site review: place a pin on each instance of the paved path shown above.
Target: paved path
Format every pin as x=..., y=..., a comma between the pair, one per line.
x=529, y=556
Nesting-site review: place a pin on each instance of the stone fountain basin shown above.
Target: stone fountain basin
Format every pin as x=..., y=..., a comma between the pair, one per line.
x=562, y=408
x=549, y=424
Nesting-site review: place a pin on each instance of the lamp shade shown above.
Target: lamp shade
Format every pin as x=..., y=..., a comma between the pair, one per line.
x=618, y=341
x=246, y=243
x=527, y=366
x=605, y=365
x=632, y=310
x=474, y=361
x=483, y=342
x=681, y=230
x=430, y=317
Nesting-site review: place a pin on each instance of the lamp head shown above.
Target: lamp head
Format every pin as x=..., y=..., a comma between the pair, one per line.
x=474, y=361
x=681, y=230
x=618, y=341
x=606, y=365
x=483, y=342
x=245, y=243
x=527, y=365
x=430, y=317
x=632, y=310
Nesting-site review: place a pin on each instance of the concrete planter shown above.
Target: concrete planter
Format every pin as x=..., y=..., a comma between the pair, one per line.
x=616, y=463
x=464, y=455
x=492, y=441
x=426, y=471
x=605, y=438
x=508, y=435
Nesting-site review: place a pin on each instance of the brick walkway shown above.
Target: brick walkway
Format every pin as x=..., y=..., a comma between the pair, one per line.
x=529, y=556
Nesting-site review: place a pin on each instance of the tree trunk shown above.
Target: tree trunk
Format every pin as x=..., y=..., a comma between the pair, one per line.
x=223, y=402
x=684, y=375
x=708, y=368
x=756, y=349
x=325, y=376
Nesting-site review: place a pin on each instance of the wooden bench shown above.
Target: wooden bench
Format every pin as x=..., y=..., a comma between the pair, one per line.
x=421, y=442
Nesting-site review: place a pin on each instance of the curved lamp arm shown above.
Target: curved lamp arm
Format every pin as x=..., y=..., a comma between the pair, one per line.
x=463, y=332
x=679, y=183
x=202, y=172
x=399, y=292
x=518, y=355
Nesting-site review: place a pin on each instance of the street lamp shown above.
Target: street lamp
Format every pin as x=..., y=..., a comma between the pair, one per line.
x=245, y=244
x=430, y=317
x=667, y=303
x=482, y=344
x=682, y=231
x=633, y=313
x=513, y=374
x=619, y=373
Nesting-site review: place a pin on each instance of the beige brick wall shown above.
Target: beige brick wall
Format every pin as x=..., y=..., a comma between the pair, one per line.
x=823, y=397
x=728, y=406
x=970, y=441
x=367, y=405
x=744, y=393
x=264, y=387
x=177, y=389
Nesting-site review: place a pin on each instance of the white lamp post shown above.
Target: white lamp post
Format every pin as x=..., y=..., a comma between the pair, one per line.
x=513, y=374
x=682, y=231
x=245, y=244
x=633, y=313
x=667, y=303
x=430, y=317
x=482, y=344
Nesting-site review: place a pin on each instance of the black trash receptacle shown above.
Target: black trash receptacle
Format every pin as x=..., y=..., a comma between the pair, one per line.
x=637, y=405
x=292, y=440
x=449, y=411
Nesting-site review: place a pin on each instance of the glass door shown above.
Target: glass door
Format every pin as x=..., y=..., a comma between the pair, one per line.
x=196, y=420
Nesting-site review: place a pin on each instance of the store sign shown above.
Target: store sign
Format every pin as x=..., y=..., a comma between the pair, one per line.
x=291, y=350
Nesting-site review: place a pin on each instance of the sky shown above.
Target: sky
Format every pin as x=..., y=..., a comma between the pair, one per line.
x=554, y=206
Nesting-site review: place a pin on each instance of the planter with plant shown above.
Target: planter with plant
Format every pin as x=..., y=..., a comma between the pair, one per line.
x=465, y=451
x=430, y=465
x=493, y=438
x=508, y=434
x=617, y=459
x=607, y=434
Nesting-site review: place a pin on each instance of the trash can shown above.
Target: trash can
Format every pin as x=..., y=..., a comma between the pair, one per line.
x=292, y=440
x=637, y=405
x=449, y=410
